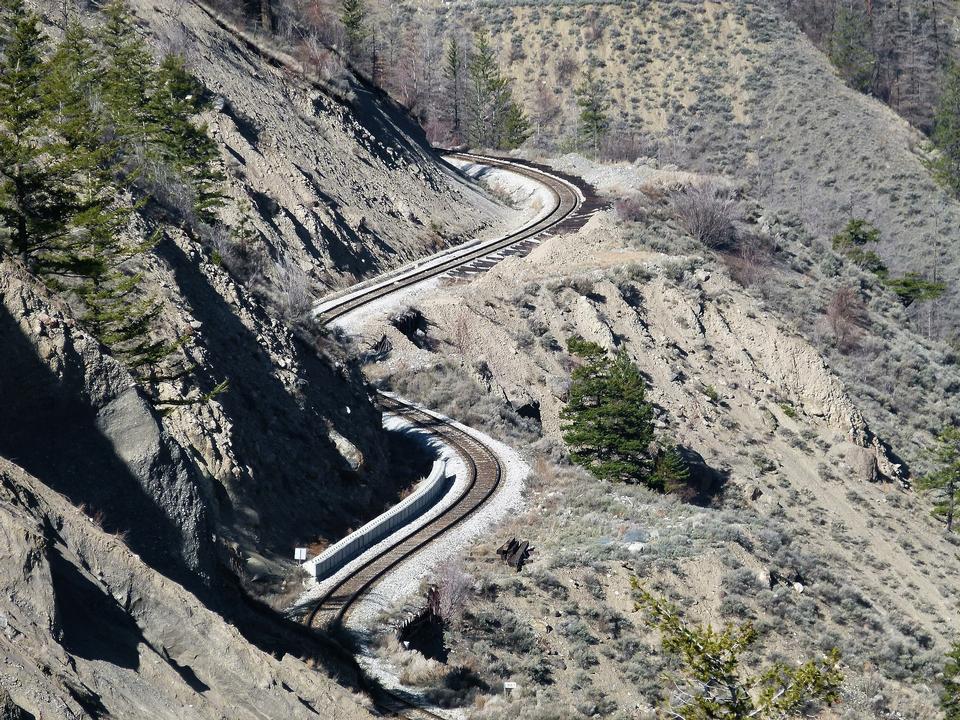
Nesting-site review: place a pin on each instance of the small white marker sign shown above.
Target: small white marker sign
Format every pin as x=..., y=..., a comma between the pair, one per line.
x=509, y=685
x=300, y=554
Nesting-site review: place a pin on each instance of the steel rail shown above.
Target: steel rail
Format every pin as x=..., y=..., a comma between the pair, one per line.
x=484, y=476
x=483, y=467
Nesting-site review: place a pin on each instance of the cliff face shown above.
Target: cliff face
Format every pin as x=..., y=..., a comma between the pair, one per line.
x=72, y=416
x=333, y=176
x=89, y=630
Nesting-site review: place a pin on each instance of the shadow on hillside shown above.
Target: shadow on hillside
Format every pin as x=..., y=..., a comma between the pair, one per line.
x=49, y=428
x=93, y=625
x=282, y=439
x=705, y=485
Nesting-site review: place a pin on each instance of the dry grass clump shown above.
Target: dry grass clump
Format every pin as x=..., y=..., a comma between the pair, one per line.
x=413, y=668
x=631, y=208
x=294, y=295
x=706, y=211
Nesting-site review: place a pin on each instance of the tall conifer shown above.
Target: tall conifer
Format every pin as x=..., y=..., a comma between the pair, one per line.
x=37, y=192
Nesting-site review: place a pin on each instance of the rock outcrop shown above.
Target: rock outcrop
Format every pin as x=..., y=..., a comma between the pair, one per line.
x=72, y=415
x=88, y=630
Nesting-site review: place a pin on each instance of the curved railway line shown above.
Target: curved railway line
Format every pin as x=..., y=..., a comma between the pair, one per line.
x=574, y=203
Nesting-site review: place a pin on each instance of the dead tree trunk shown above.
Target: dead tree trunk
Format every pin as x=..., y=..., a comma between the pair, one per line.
x=266, y=16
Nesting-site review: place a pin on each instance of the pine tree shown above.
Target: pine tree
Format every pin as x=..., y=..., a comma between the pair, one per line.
x=946, y=133
x=950, y=695
x=670, y=470
x=592, y=98
x=912, y=288
x=126, y=73
x=353, y=15
x=10, y=12
x=714, y=683
x=516, y=128
x=608, y=423
x=944, y=478
x=453, y=72
x=176, y=98
x=490, y=96
x=849, y=49
x=37, y=193
x=71, y=89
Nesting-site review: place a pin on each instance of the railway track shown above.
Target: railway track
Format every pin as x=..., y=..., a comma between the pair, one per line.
x=484, y=475
x=572, y=198
x=574, y=202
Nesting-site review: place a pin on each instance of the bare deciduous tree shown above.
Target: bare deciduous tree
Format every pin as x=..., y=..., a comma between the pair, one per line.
x=846, y=314
x=295, y=291
x=455, y=588
x=706, y=211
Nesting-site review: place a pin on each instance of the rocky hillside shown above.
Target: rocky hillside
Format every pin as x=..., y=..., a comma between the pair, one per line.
x=326, y=183
x=123, y=502
x=797, y=518
x=89, y=630
x=332, y=176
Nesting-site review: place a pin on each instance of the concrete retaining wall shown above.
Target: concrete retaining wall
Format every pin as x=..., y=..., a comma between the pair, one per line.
x=338, y=555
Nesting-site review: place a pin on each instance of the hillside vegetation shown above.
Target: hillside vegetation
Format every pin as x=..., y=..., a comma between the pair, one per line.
x=789, y=513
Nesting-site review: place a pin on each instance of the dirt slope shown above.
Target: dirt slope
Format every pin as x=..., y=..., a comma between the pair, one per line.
x=796, y=520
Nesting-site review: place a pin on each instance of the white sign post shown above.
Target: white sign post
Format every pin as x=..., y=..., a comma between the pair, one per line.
x=300, y=554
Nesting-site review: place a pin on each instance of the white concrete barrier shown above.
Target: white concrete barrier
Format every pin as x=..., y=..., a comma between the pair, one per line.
x=345, y=550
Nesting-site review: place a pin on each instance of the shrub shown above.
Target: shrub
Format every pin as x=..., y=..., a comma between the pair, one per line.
x=846, y=314
x=630, y=208
x=706, y=211
x=295, y=297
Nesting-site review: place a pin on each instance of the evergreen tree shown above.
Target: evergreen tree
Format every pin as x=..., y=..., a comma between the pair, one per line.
x=453, y=72
x=944, y=478
x=849, y=49
x=353, y=15
x=608, y=421
x=37, y=195
x=10, y=12
x=126, y=74
x=912, y=288
x=946, y=133
x=593, y=100
x=851, y=241
x=71, y=88
x=714, y=685
x=490, y=96
x=516, y=127
x=176, y=98
x=671, y=470
x=950, y=696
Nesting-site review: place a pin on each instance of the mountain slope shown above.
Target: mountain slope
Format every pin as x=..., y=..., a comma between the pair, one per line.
x=91, y=631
